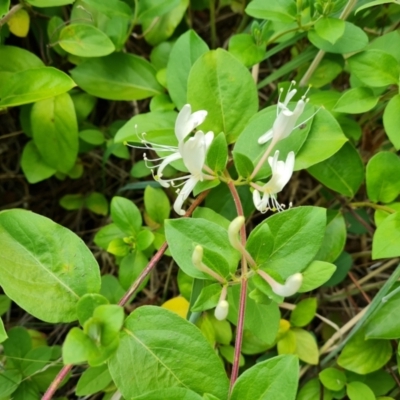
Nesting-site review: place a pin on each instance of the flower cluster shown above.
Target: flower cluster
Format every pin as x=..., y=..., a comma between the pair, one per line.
x=284, y=124
x=191, y=150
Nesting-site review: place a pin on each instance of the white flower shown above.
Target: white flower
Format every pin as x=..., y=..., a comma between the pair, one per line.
x=285, y=121
x=281, y=174
x=192, y=151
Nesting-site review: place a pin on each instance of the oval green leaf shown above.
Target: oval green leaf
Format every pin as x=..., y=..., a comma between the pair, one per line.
x=223, y=86
x=173, y=347
x=386, y=241
x=119, y=76
x=391, y=120
x=85, y=40
x=44, y=267
x=33, y=85
x=356, y=101
x=55, y=131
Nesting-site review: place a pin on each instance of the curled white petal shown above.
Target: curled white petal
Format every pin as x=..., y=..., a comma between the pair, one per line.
x=184, y=194
x=186, y=121
x=221, y=311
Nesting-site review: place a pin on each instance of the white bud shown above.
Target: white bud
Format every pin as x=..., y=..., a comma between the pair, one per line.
x=233, y=232
x=222, y=309
x=291, y=286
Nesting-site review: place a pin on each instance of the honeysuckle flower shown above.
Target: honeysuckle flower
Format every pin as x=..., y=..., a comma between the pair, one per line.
x=192, y=151
x=281, y=174
x=222, y=309
x=286, y=120
x=289, y=288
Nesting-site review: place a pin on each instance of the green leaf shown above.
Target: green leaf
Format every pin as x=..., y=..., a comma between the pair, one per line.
x=315, y=275
x=184, y=234
x=174, y=393
x=130, y=268
x=3, y=334
x=52, y=264
x=330, y=29
x=144, y=239
x=208, y=298
x=49, y=3
x=97, y=203
x=359, y=391
x=85, y=40
x=324, y=140
x=312, y=390
x=9, y=381
x=261, y=320
x=224, y=87
x=304, y=312
x=55, y=131
x=4, y=7
x=386, y=242
x=5, y=304
x=296, y=236
x=160, y=339
x=150, y=9
x=332, y=379
x=35, y=360
x=77, y=347
x=282, y=11
x=15, y=59
x=356, y=101
x=243, y=164
x=383, y=177
x=374, y=68
x=119, y=76
x=111, y=319
x=93, y=380
x=246, y=50
x=211, y=215
x=343, y=172
x=187, y=49
x=364, y=356
x=391, y=120
x=87, y=304
x=306, y=346
x=383, y=324
x=334, y=238
x=158, y=126
x=156, y=204
x=353, y=39
x=269, y=380
x=126, y=215
x=33, y=165
x=92, y=136
x=72, y=201
x=217, y=154
x=34, y=85
x=374, y=3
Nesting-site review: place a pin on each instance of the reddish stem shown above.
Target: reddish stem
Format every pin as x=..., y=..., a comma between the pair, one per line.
x=57, y=380
x=243, y=291
x=152, y=263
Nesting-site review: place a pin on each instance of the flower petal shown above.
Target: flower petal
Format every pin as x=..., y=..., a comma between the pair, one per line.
x=184, y=194
x=194, y=153
x=186, y=121
x=167, y=160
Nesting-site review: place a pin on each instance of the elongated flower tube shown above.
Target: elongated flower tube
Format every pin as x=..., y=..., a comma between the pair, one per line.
x=192, y=151
x=197, y=260
x=289, y=288
x=281, y=174
x=286, y=120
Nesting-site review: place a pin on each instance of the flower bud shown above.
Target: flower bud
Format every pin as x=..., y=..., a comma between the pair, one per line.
x=221, y=311
x=197, y=257
x=291, y=286
x=233, y=232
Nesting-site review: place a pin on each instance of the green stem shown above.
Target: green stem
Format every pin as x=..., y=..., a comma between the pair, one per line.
x=10, y=13
x=213, y=25
x=313, y=66
x=372, y=205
